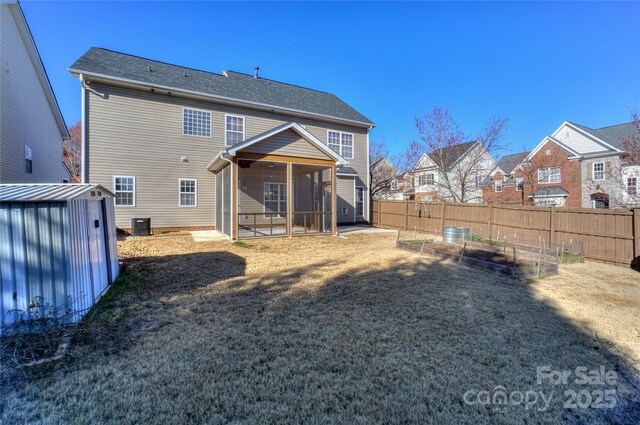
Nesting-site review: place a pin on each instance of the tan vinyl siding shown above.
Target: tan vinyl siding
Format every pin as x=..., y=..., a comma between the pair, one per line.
x=136, y=133
x=287, y=143
x=346, y=199
x=26, y=115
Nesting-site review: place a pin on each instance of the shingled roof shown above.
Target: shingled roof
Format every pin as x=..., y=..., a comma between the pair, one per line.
x=615, y=135
x=451, y=154
x=230, y=85
x=508, y=162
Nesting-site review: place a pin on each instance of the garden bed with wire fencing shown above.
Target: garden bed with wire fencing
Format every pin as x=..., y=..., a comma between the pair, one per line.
x=513, y=259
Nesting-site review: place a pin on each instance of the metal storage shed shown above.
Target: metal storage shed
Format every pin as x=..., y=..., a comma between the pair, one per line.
x=57, y=249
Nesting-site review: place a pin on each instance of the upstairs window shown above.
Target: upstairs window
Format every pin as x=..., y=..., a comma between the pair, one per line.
x=598, y=170
x=478, y=181
x=394, y=185
x=196, y=123
x=188, y=193
x=498, y=185
x=632, y=186
x=549, y=175
x=234, y=130
x=28, y=160
x=341, y=143
x=519, y=184
x=430, y=179
x=125, y=189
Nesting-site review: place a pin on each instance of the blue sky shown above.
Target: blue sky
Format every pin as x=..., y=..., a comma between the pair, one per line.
x=537, y=64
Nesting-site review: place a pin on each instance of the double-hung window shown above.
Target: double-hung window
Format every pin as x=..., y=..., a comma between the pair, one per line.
x=275, y=199
x=519, y=184
x=359, y=201
x=233, y=130
x=341, y=143
x=125, y=189
x=430, y=179
x=598, y=170
x=187, y=193
x=632, y=186
x=196, y=122
x=549, y=175
x=498, y=185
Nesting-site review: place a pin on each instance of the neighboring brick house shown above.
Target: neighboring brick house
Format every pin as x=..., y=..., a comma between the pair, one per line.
x=446, y=174
x=502, y=186
x=401, y=188
x=574, y=167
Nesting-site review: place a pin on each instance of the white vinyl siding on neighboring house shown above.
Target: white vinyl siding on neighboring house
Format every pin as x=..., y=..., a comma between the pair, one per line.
x=359, y=201
x=196, y=122
x=124, y=187
x=275, y=198
x=233, y=130
x=598, y=171
x=549, y=175
x=187, y=192
x=340, y=142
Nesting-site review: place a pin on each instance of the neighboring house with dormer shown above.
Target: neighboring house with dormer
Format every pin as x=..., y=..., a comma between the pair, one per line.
x=246, y=155
x=575, y=167
x=32, y=129
x=453, y=173
x=505, y=183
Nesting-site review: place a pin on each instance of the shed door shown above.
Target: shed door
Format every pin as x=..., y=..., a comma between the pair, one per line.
x=97, y=247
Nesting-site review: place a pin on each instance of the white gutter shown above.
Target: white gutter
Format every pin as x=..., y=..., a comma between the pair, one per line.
x=230, y=100
x=83, y=130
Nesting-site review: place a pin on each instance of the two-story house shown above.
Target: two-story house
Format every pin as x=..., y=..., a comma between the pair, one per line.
x=505, y=183
x=32, y=128
x=453, y=173
x=576, y=166
x=245, y=155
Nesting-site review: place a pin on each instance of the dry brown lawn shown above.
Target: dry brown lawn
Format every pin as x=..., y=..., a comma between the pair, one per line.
x=331, y=330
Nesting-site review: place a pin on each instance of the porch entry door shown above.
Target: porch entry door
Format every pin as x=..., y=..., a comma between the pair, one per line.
x=97, y=247
x=326, y=206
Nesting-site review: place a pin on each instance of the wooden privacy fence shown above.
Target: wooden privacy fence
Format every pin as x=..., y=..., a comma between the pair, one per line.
x=611, y=236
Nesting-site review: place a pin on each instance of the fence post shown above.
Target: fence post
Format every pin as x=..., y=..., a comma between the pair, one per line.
x=406, y=215
x=379, y=213
x=552, y=226
x=444, y=208
x=636, y=237
x=490, y=221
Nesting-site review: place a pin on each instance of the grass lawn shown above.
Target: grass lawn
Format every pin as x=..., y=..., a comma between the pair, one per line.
x=329, y=330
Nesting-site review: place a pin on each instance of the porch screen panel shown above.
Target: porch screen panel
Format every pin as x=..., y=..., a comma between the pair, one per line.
x=219, y=197
x=226, y=201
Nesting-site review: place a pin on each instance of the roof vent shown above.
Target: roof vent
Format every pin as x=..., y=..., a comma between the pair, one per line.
x=184, y=72
x=149, y=68
x=257, y=69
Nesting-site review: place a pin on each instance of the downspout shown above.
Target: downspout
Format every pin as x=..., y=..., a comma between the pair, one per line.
x=83, y=130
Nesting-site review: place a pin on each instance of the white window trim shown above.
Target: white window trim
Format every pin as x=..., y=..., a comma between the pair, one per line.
x=635, y=186
x=353, y=143
x=180, y=193
x=355, y=204
x=134, y=191
x=495, y=185
x=244, y=127
x=515, y=180
x=210, y=123
x=549, y=175
x=264, y=201
x=593, y=171
x=426, y=179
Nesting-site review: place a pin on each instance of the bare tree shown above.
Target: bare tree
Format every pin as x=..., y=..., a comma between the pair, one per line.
x=381, y=170
x=72, y=151
x=459, y=163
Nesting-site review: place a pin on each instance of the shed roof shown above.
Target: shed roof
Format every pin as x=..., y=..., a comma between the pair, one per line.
x=41, y=192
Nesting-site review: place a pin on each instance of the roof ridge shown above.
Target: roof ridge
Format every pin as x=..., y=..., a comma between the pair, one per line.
x=157, y=61
x=614, y=125
x=276, y=81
